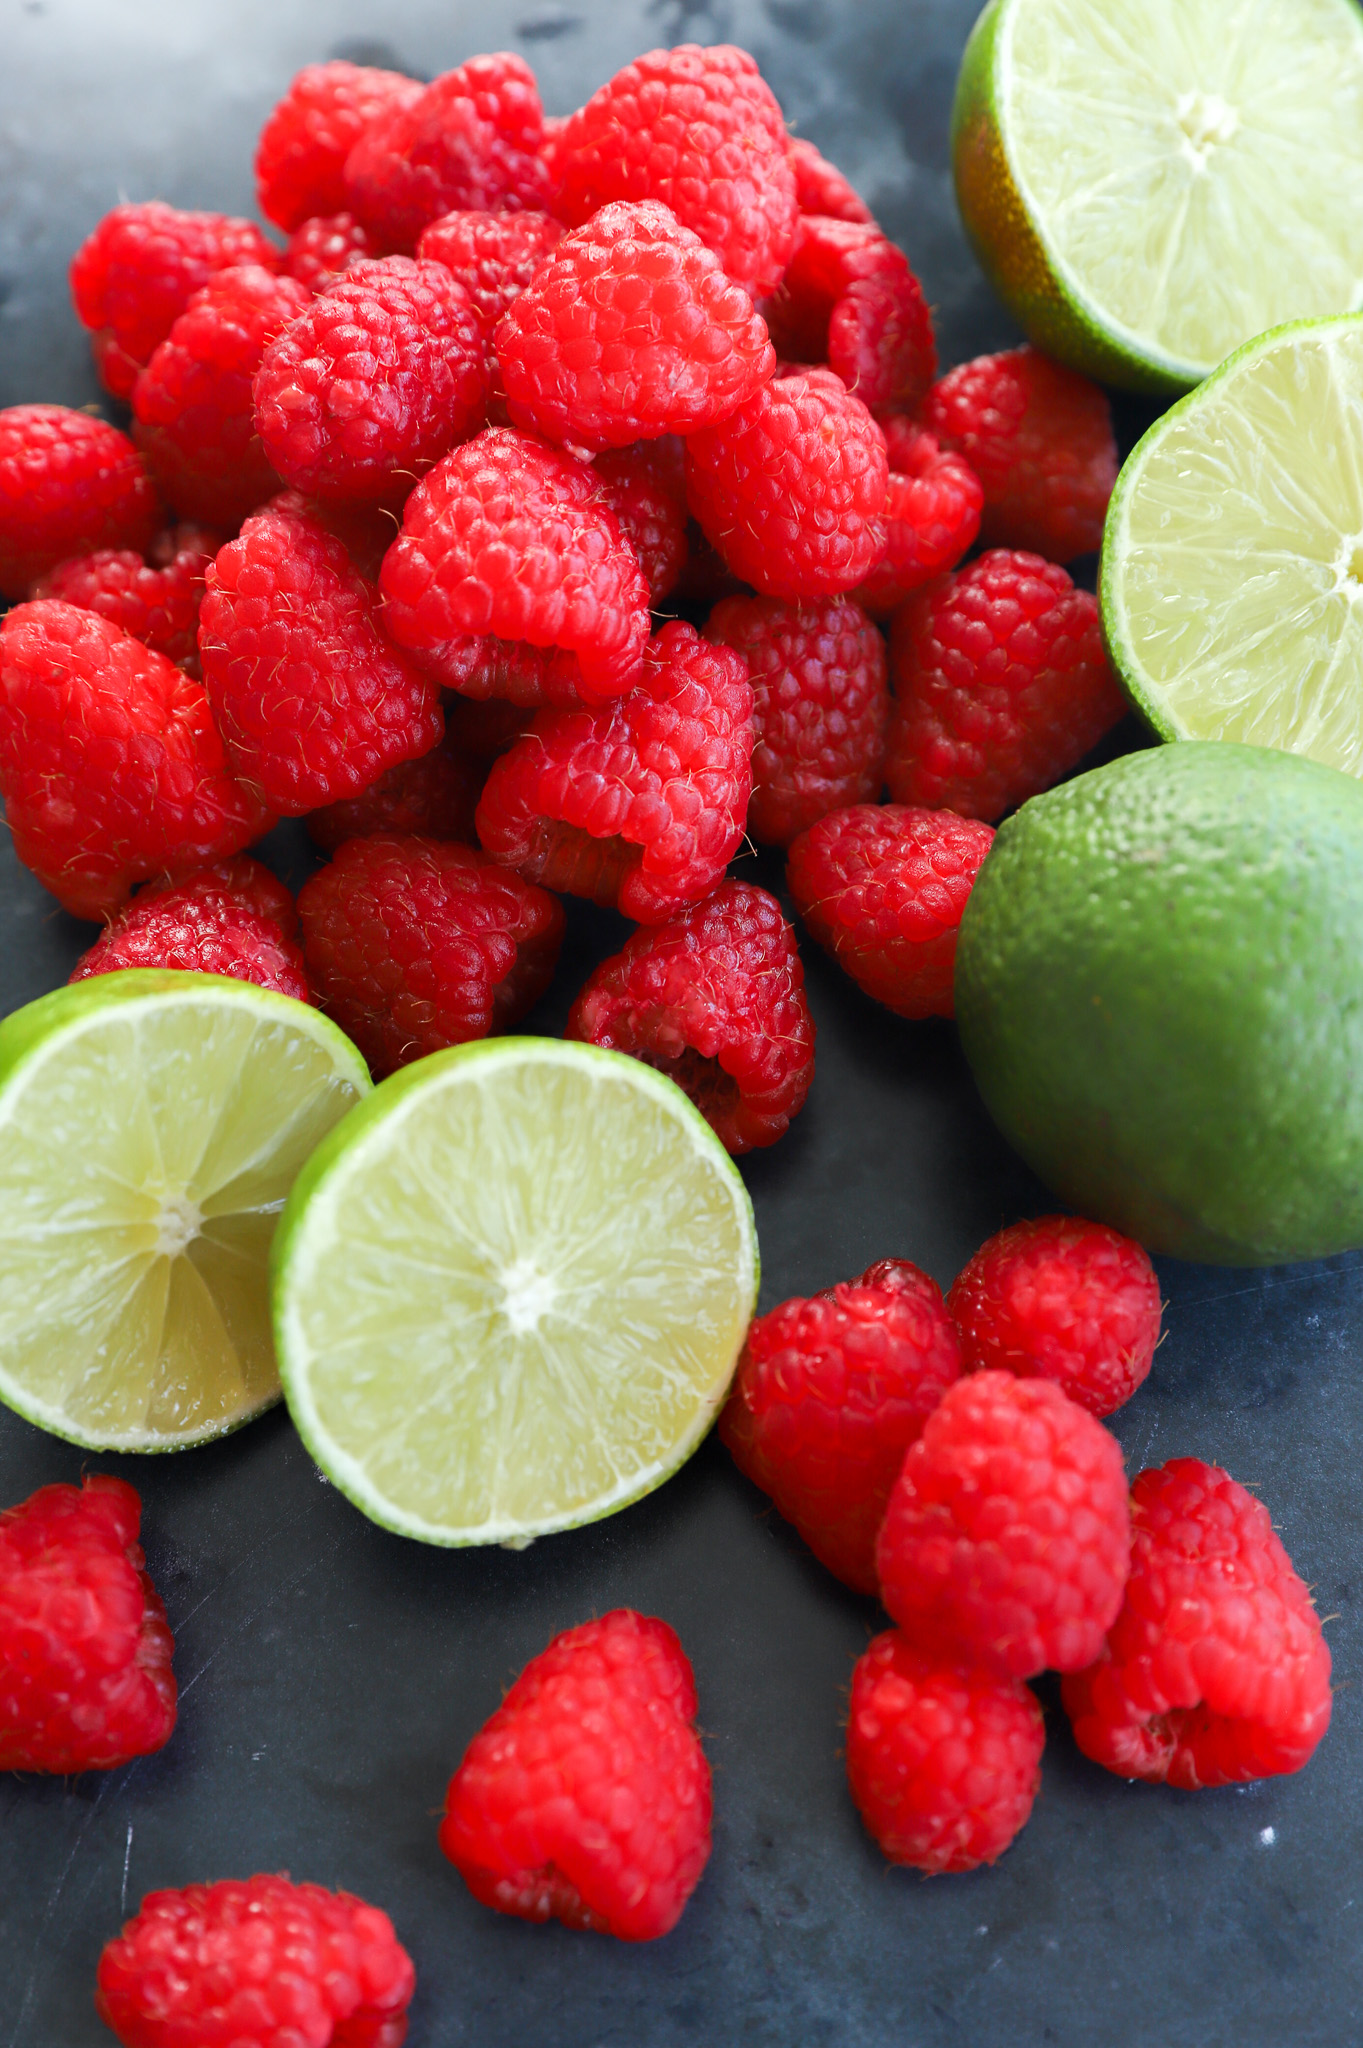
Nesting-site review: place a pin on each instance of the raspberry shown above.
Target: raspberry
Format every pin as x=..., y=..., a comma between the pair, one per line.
x=932, y=515
x=312, y=702
x=1061, y=1299
x=256, y=1963
x=68, y=484
x=324, y=245
x=944, y=1763
x=850, y=299
x=493, y=255
x=1001, y=686
x=192, y=409
x=85, y=1677
x=631, y=329
x=882, y=888
x=435, y=796
x=1039, y=437
x=137, y=270
x=641, y=804
x=300, y=157
x=820, y=707
x=384, y=373
x=470, y=140
x=110, y=764
x=155, y=600
x=715, y=999
x=828, y=1396
x=700, y=131
x=1006, y=1540
x=414, y=944
x=820, y=186
x=510, y=538
x=651, y=509
x=790, y=488
x=1216, y=1670
x=586, y=1797
x=215, y=923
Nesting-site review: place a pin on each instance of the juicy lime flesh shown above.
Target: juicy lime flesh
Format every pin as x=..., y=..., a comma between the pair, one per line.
x=514, y=1301
x=1194, y=168
x=145, y=1154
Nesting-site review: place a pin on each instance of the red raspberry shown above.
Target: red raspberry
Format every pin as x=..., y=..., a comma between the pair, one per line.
x=311, y=700
x=68, y=484
x=493, y=255
x=791, y=487
x=828, y=1396
x=381, y=376
x=414, y=944
x=85, y=1677
x=1215, y=1670
x=631, y=329
x=650, y=505
x=137, y=270
x=1039, y=437
x=110, y=763
x=820, y=707
x=586, y=1797
x=1061, y=1299
x=470, y=140
x=192, y=404
x=1006, y=1541
x=932, y=515
x=1001, y=686
x=435, y=796
x=511, y=538
x=850, y=299
x=155, y=600
x=256, y=1963
x=820, y=186
x=640, y=804
x=324, y=245
x=207, y=925
x=700, y=131
x=882, y=888
x=944, y=1763
x=300, y=157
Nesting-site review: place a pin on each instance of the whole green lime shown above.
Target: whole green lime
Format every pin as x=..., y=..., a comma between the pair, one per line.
x=1159, y=986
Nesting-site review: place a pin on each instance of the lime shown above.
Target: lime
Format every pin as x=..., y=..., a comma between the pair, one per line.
x=1158, y=988
x=1150, y=184
x=510, y=1290
x=151, y=1125
x=1232, y=576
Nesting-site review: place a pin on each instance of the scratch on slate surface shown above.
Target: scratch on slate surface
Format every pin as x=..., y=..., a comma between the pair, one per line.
x=127, y=1859
x=51, y=1907
x=264, y=1608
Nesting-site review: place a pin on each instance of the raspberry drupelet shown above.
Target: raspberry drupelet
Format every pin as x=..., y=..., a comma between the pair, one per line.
x=828, y=1396
x=234, y=919
x=69, y=484
x=435, y=796
x=649, y=501
x=155, y=597
x=494, y=256
x=586, y=1796
x=300, y=157
x=323, y=246
x=715, y=999
x=1216, y=1670
x=932, y=515
x=820, y=186
x=849, y=299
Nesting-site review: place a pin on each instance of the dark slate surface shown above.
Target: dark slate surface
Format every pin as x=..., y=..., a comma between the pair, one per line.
x=330, y=1674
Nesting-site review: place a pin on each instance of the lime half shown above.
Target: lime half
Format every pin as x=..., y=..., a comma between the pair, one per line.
x=510, y=1290
x=1232, y=573
x=151, y=1125
x=1149, y=184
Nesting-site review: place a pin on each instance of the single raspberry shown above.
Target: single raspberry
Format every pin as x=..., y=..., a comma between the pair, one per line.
x=586, y=1797
x=192, y=408
x=650, y=505
x=1001, y=686
x=820, y=186
x=1039, y=437
x=631, y=329
x=640, y=804
x=511, y=538
x=110, y=764
x=382, y=375
x=435, y=796
x=69, y=484
x=932, y=515
x=156, y=599
x=828, y=1396
x=1006, y=1541
x=1215, y=1670
x=944, y=1762
x=1060, y=1299
x=791, y=487
x=206, y=925
x=820, y=707
x=326, y=244
x=470, y=140
x=493, y=255
x=849, y=299
x=882, y=888
x=300, y=157
x=85, y=1677
x=312, y=702
x=137, y=270
x=256, y=1963
x=700, y=131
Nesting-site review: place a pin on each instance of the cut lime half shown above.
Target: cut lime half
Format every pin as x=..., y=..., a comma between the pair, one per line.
x=510, y=1290
x=151, y=1125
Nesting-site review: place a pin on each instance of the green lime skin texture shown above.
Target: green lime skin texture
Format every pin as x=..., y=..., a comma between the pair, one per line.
x=1159, y=987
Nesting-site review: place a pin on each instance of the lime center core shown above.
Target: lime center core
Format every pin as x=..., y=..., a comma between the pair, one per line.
x=527, y=1295
x=1206, y=120
x=1348, y=567
x=177, y=1226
